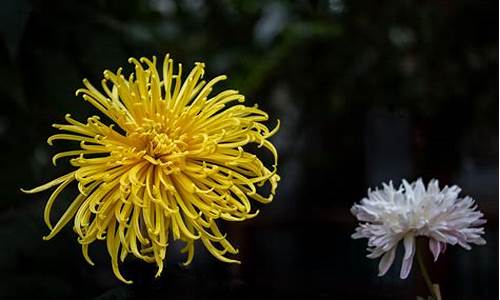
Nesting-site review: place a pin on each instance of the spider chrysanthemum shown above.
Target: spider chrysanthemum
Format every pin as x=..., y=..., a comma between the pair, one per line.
x=391, y=215
x=174, y=161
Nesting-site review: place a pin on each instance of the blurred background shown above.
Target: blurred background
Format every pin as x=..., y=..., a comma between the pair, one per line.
x=366, y=91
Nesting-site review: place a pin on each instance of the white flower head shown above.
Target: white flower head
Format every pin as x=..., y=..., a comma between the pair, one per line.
x=390, y=215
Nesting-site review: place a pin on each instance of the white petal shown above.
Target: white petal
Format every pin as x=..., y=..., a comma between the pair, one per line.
x=408, y=189
x=464, y=245
x=386, y=261
x=435, y=247
x=433, y=186
x=409, y=243
x=478, y=222
x=480, y=241
x=419, y=189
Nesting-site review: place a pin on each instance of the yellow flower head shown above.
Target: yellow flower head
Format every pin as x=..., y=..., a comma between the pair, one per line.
x=173, y=162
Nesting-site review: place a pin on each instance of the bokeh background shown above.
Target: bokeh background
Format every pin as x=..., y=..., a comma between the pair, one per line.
x=366, y=91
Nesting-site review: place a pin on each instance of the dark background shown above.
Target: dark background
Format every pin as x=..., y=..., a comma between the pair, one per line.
x=367, y=91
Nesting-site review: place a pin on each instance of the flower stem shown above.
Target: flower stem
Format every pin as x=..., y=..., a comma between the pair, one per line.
x=424, y=272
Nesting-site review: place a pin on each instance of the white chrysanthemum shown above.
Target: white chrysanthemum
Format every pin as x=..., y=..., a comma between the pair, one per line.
x=392, y=215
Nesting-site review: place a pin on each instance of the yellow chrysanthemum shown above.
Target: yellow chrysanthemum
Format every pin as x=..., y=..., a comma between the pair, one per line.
x=174, y=164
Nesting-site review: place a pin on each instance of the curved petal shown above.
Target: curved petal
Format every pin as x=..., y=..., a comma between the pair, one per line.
x=409, y=243
x=435, y=247
x=386, y=261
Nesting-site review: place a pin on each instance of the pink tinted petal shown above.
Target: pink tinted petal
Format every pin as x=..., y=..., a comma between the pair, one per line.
x=386, y=262
x=435, y=248
x=409, y=243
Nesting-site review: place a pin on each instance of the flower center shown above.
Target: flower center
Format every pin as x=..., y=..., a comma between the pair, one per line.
x=161, y=145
